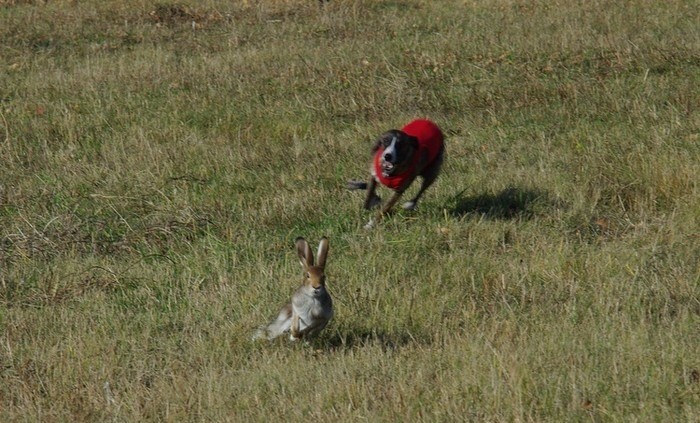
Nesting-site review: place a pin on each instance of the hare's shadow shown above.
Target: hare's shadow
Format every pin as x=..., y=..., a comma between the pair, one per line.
x=354, y=338
x=510, y=203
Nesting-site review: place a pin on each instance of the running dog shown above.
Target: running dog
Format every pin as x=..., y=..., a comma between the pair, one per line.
x=399, y=156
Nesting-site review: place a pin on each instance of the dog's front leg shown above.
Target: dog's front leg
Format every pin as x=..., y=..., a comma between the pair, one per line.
x=390, y=204
x=397, y=195
x=386, y=209
x=372, y=199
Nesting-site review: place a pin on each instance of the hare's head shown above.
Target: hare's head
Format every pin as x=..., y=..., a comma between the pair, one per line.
x=314, y=276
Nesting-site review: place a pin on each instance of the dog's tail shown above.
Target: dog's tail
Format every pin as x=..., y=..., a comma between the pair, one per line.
x=355, y=184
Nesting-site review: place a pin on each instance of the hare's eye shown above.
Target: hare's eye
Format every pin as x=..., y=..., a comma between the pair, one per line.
x=308, y=275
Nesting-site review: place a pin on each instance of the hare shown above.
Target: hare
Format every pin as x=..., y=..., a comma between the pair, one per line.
x=311, y=307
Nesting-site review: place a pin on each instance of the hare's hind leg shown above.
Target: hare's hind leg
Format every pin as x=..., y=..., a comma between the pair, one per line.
x=281, y=324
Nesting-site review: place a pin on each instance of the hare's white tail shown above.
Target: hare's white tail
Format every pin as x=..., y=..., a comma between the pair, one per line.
x=278, y=326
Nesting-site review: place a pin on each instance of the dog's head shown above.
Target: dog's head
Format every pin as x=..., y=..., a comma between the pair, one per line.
x=398, y=148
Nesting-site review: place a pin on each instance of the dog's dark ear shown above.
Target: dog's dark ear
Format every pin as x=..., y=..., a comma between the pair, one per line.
x=385, y=138
x=377, y=145
x=412, y=141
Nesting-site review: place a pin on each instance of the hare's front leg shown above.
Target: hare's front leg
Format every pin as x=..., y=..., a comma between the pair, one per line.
x=295, y=333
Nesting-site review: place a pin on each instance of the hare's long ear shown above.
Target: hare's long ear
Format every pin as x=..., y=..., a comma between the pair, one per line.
x=322, y=252
x=304, y=251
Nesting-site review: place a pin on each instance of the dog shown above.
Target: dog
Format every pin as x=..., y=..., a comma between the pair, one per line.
x=398, y=157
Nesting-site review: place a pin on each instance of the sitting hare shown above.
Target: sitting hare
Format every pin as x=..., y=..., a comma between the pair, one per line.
x=311, y=307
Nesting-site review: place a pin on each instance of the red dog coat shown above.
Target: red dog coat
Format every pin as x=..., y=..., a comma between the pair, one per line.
x=429, y=140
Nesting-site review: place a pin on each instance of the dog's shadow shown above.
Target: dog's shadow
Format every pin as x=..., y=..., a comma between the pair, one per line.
x=510, y=203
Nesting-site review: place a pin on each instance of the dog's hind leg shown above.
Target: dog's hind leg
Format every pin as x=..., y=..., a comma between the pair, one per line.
x=413, y=202
x=429, y=175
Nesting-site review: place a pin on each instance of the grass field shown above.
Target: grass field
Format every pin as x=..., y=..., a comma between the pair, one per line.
x=157, y=161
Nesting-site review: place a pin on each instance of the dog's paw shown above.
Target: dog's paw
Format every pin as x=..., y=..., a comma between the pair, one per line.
x=374, y=202
x=355, y=184
x=369, y=225
x=409, y=205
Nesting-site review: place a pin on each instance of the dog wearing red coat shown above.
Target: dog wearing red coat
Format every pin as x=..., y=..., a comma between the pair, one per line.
x=399, y=157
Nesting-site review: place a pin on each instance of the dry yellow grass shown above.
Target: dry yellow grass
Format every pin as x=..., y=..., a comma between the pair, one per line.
x=158, y=160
